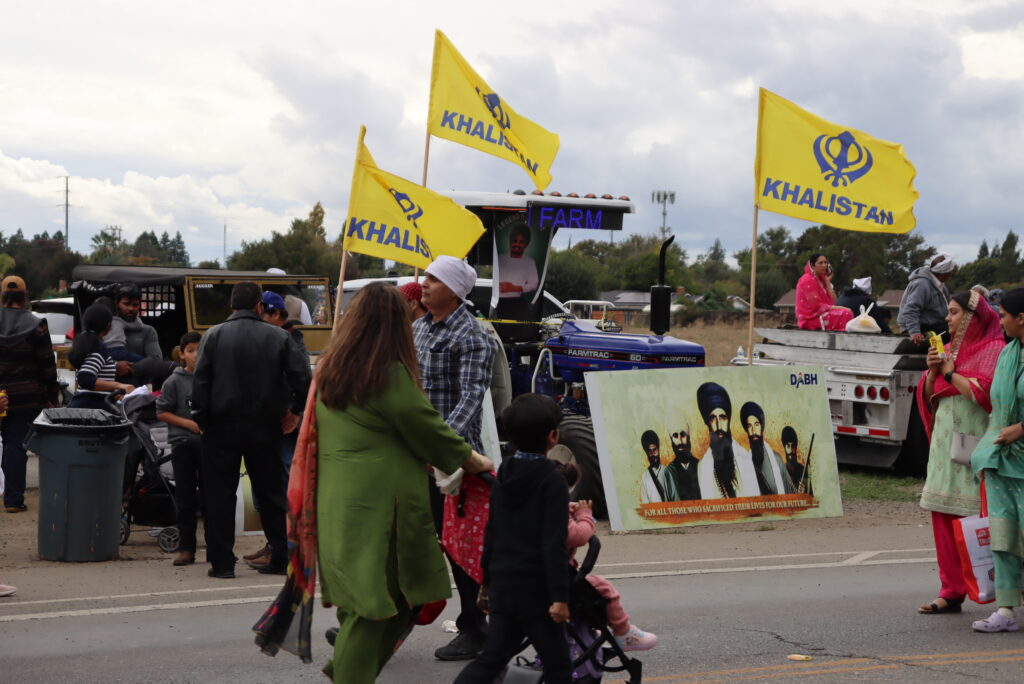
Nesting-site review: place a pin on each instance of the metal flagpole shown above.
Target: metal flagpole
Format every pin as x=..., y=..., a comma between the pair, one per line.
x=753, y=292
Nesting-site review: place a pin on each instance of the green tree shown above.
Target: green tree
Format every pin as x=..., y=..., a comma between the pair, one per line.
x=211, y=263
x=108, y=247
x=571, y=275
x=42, y=261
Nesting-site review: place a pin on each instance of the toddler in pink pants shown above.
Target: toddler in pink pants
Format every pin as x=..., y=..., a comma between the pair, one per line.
x=581, y=529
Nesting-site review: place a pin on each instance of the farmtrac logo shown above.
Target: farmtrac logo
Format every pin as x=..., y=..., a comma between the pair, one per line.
x=412, y=210
x=493, y=104
x=841, y=158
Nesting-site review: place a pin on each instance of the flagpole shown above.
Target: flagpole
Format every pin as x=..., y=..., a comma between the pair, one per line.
x=426, y=160
x=753, y=292
x=341, y=286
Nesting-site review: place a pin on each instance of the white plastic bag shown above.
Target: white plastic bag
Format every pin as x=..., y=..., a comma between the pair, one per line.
x=864, y=323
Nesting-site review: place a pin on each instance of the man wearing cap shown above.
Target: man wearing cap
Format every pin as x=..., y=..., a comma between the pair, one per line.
x=413, y=293
x=858, y=295
x=28, y=375
x=455, y=357
x=926, y=299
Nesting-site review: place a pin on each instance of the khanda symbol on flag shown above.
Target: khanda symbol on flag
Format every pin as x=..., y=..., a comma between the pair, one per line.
x=464, y=109
x=395, y=219
x=812, y=169
x=843, y=165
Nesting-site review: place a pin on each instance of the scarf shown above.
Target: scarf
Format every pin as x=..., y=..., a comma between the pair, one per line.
x=975, y=350
x=812, y=297
x=278, y=627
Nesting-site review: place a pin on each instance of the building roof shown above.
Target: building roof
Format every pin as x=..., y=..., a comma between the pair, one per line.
x=892, y=297
x=627, y=299
x=788, y=299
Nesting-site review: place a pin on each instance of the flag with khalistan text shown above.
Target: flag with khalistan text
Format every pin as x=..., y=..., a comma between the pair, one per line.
x=392, y=218
x=464, y=109
x=811, y=169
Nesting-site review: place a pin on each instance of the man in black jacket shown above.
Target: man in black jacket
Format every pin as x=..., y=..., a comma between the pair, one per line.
x=249, y=387
x=525, y=562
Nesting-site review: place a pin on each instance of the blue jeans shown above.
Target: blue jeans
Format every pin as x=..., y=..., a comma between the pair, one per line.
x=14, y=429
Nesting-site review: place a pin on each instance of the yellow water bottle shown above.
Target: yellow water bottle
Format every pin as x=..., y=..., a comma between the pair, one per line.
x=935, y=340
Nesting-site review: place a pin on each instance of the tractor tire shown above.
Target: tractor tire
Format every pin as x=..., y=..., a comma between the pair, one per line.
x=913, y=460
x=577, y=433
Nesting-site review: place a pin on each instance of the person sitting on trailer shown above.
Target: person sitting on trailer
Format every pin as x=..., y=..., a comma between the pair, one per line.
x=858, y=295
x=816, y=298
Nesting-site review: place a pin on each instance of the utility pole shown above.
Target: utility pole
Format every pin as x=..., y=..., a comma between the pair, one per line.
x=67, y=238
x=225, y=247
x=664, y=198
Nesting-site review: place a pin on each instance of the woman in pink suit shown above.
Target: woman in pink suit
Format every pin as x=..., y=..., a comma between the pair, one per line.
x=816, y=300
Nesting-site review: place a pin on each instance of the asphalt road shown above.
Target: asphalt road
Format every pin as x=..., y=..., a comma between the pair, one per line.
x=729, y=608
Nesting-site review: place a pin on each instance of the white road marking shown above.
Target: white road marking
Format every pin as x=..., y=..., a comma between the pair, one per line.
x=772, y=557
x=862, y=558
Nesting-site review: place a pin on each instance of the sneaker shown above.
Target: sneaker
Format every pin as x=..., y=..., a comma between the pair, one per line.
x=16, y=509
x=637, y=640
x=996, y=623
x=270, y=569
x=462, y=647
x=7, y=590
x=221, y=574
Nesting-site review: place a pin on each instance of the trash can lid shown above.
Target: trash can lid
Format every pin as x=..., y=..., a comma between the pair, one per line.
x=79, y=420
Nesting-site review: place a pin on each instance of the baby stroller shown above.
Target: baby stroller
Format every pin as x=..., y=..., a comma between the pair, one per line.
x=148, y=477
x=592, y=647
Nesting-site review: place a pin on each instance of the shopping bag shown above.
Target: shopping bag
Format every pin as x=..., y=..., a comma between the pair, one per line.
x=973, y=545
x=864, y=323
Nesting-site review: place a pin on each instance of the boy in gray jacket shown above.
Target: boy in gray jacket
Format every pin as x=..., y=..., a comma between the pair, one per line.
x=172, y=407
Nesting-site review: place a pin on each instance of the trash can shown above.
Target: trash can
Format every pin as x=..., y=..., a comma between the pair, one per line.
x=81, y=474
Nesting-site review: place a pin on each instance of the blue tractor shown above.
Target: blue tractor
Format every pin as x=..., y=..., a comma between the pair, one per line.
x=545, y=348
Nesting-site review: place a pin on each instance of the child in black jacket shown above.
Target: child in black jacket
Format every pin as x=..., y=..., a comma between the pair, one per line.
x=525, y=586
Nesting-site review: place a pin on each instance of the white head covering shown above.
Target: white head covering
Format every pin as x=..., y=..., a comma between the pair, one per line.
x=945, y=264
x=455, y=273
x=863, y=284
x=276, y=271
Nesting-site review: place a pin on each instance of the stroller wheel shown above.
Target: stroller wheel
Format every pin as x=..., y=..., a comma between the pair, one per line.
x=125, y=531
x=168, y=539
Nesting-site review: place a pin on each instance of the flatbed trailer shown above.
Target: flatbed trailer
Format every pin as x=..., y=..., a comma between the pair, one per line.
x=870, y=380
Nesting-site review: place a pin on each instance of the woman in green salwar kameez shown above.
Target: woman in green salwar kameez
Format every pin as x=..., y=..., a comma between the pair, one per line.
x=999, y=459
x=378, y=552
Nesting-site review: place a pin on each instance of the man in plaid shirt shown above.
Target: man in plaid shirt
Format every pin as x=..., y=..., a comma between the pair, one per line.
x=455, y=357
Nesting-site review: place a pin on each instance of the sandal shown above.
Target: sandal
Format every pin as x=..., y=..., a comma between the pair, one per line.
x=996, y=623
x=934, y=608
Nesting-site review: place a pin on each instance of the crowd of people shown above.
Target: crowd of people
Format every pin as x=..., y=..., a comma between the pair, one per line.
x=394, y=411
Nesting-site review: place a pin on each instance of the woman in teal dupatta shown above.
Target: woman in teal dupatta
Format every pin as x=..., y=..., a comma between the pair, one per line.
x=999, y=460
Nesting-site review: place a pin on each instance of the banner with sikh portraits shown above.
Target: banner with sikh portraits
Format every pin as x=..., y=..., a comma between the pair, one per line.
x=693, y=446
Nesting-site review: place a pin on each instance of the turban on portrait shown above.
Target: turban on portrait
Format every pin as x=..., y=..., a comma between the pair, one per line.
x=711, y=396
x=648, y=438
x=751, y=409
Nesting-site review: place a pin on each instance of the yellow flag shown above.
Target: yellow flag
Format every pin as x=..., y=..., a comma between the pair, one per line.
x=392, y=218
x=812, y=169
x=464, y=109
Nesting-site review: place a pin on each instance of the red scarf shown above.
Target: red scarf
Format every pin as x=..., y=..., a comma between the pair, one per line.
x=975, y=349
x=278, y=628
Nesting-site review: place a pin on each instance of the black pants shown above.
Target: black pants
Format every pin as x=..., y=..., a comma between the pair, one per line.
x=514, y=617
x=225, y=445
x=471, y=620
x=186, y=459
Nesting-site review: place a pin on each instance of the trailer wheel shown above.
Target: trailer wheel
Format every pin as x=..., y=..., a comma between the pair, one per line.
x=913, y=460
x=577, y=433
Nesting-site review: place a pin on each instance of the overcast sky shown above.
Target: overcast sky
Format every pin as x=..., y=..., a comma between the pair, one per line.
x=187, y=115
